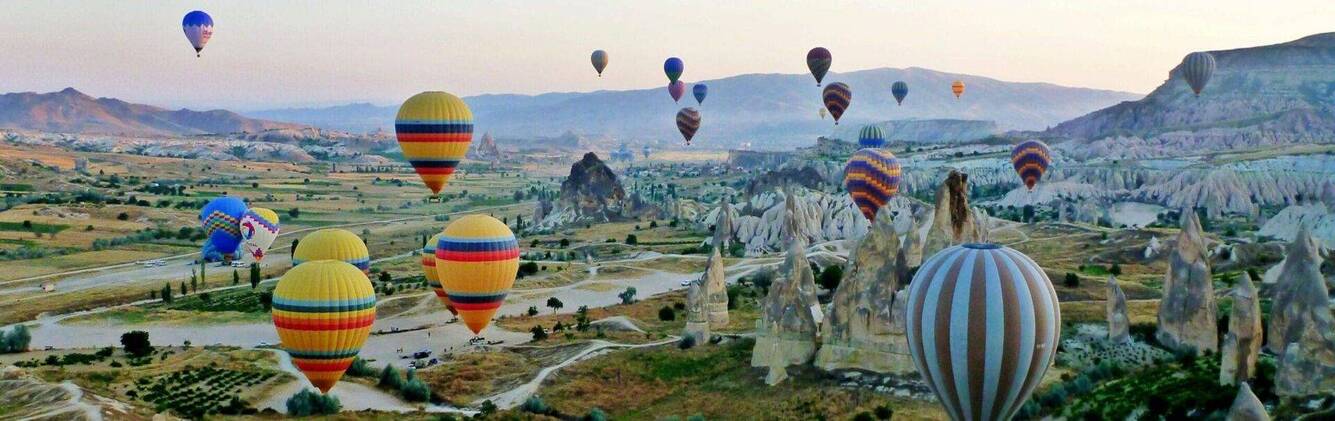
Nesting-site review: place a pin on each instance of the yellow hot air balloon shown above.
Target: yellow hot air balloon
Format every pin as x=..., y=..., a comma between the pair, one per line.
x=434, y=131
x=429, y=269
x=333, y=244
x=957, y=88
x=477, y=258
x=323, y=311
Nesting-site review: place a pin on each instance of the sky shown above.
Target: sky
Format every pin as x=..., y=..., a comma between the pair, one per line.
x=279, y=53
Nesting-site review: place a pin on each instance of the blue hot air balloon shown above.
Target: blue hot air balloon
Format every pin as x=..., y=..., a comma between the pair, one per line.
x=700, y=90
x=900, y=90
x=673, y=68
x=221, y=220
x=198, y=29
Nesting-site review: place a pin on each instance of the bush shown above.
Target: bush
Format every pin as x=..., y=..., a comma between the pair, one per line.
x=389, y=378
x=1071, y=280
x=627, y=296
x=1115, y=270
x=687, y=342
x=596, y=414
x=884, y=412
x=667, y=314
x=15, y=340
x=136, y=343
x=535, y=405
x=532, y=310
x=863, y=416
x=307, y=402
x=631, y=239
x=538, y=332
x=360, y=368
x=416, y=391
x=829, y=279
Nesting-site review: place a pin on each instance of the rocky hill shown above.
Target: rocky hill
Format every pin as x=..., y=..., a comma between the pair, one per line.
x=1259, y=96
x=592, y=194
x=71, y=111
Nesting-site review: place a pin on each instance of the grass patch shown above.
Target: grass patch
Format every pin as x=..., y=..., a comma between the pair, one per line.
x=35, y=227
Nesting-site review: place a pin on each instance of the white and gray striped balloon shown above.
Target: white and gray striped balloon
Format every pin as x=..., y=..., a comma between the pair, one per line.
x=983, y=326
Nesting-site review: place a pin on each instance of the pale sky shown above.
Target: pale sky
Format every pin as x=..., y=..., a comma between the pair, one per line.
x=276, y=53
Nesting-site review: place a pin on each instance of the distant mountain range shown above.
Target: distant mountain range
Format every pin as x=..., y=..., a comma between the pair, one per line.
x=71, y=111
x=1275, y=93
x=770, y=110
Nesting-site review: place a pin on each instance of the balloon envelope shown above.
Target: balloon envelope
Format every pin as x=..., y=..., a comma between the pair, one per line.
x=837, y=97
x=198, y=28
x=673, y=67
x=323, y=311
x=676, y=89
x=1197, y=68
x=700, y=91
x=434, y=130
x=871, y=136
x=900, y=90
x=983, y=326
x=871, y=177
x=1031, y=159
x=599, y=59
x=477, y=258
x=429, y=270
x=958, y=88
x=259, y=228
x=688, y=122
x=221, y=220
x=818, y=61
x=333, y=244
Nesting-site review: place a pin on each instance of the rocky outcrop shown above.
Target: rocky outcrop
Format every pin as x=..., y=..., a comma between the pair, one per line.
x=715, y=287
x=1119, y=324
x=953, y=223
x=590, y=194
x=1152, y=249
x=758, y=222
x=1319, y=218
x=485, y=150
x=1246, y=406
x=697, y=317
x=1187, y=310
x=789, y=314
x=1307, y=365
x=723, y=225
x=860, y=331
x=1242, y=343
x=1298, y=299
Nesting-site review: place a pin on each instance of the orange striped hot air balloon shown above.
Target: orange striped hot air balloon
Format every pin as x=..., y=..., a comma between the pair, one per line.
x=477, y=258
x=429, y=269
x=957, y=88
x=323, y=311
x=434, y=131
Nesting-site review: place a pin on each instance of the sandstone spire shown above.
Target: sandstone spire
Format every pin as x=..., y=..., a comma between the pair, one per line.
x=723, y=226
x=1118, y=323
x=1299, y=296
x=1187, y=310
x=789, y=314
x=697, y=319
x=715, y=287
x=1242, y=343
x=1246, y=407
x=953, y=222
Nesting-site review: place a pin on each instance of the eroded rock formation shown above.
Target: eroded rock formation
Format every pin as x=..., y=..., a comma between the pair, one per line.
x=723, y=225
x=715, y=287
x=1298, y=299
x=1119, y=324
x=953, y=222
x=1187, y=310
x=697, y=318
x=1246, y=406
x=1242, y=343
x=789, y=314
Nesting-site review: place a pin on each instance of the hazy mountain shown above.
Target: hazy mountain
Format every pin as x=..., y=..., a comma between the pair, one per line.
x=770, y=110
x=926, y=131
x=1275, y=93
x=71, y=111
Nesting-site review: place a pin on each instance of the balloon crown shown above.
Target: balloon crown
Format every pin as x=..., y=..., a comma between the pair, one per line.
x=980, y=246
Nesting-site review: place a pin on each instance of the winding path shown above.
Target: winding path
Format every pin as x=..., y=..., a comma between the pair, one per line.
x=514, y=397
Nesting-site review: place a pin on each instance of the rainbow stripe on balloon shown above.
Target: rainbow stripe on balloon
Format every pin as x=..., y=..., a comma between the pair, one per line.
x=434, y=130
x=871, y=177
x=217, y=220
x=837, y=96
x=323, y=311
x=476, y=270
x=1031, y=159
x=429, y=270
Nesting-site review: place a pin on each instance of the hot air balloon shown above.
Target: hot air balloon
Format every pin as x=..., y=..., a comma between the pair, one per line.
x=434, y=131
x=983, y=326
x=871, y=136
x=958, y=88
x=1031, y=159
x=599, y=59
x=673, y=67
x=1196, y=69
x=221, y=219
x=198, y=29
x=688, y=121
x=822, y=113
x=259, y=227
x=818, y=61
x=900, y=90
x=871, y=177
x=333, y=244
x=477, y=258
x=837, y=96
x=676, y=89
x=323, y=311
x=429, y=270
x=700, y=90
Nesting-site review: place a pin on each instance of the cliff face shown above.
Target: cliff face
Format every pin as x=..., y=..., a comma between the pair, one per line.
x=1282, y=93
x=590, y=194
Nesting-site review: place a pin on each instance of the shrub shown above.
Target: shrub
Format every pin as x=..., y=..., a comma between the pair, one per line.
x=416, y=391
x=687, y=342
x=1115, y=270
x=863, y=416
x=627, y=296
x=307, y=402
x=538, y=332
x=667, y=314
x=15, y=340
x=389, y=378
x=884, y=412
x=631, y=239
x=488, y=407
x=532, y=310
x=1071, y=280
x=596, y=414
x=360, y=368
x=535, y=405
x=136, y=343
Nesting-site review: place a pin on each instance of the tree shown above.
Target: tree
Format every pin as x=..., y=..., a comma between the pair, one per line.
x=266, y=299
x=166, y=293
x=254, y=275
x=184, y=291
x=307, y=402
x=236, y=277
x=830, y=277
x=667, y=314
x=1071, y=280
x=631, y=239
x=294, y=213
x=532, y=310
x=203, y=276
x=389, y=377
x=627, y=296
x=123, y=216
x=415, y=390
x=538, y=333
x=136, y=343
x=565, y=242
x=385, y=278
x=15, y=340
x=555, y=304
x=582, y=318
x=1115, y=270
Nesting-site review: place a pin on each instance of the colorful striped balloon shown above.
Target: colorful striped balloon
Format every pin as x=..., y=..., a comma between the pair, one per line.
x=333, y=244
x=323, y=311
x=958, y=88
x=900, y=90
x=871, y=136
x=259, y=228
x=477, y=258
x=837, y=97
x=198, y=28
x=434, y=130
x=429, y=270
x=983, y=327
x=1031, y=159
x=871, y=178
x=688, y=122
x=818, y=61
x=1197, y=68
x=221, y=221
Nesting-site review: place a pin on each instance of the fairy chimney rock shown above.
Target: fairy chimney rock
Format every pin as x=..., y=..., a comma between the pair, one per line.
x=1187, y=310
